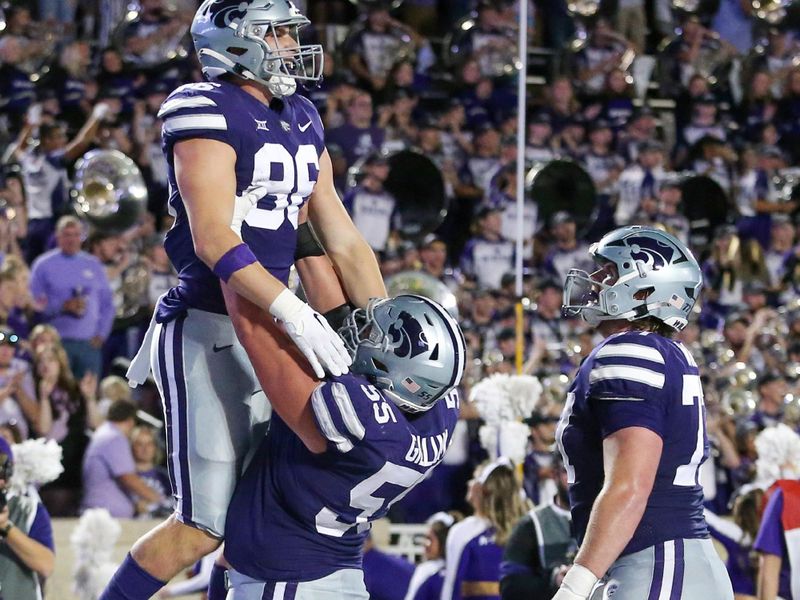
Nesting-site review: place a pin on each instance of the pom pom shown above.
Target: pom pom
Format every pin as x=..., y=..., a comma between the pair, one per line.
x=36, y=462
x=93, y=541
x=778, y=455
x=502, y=402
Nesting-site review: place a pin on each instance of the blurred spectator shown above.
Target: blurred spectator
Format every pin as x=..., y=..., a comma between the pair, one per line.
x=605, y=51
x=481, y=164
x=426, y=583
x=475, y=545
x=787, y=117
x=737, y=538
x=148, y=466
x=162, y=274
x=66, y=407
x=154, y=32
x=69, y=79
x=540, y=545
x=44, y=172
x=16, y=89
x=601, y=162
x=561, y=103
x=670, y=209
x=109, y=471
x=771, y=393
x=734, y=23
x=358, y=136
x=640, y=181
x=566, y=252
x=776, y=58
x=79, y=300
x=765, y=198
x=373, y=209
x=491, y=42
x=27, y=554
x=758, y=106
x=375, y=44
x=538, y=146
x=695, y=50
x=540, y=471
x=631, y=24
x=775, y=564
x=18, y=400
x=778, y=257
x=487, y=255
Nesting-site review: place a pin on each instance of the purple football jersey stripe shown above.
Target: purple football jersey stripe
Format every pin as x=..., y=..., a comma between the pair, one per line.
x=677, y=580
x=183, y=417
x=291, y=591
x=169, y=417
x=269, y=591
x=658, y=571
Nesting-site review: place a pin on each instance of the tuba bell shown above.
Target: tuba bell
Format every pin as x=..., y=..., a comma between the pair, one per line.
x=109, y=190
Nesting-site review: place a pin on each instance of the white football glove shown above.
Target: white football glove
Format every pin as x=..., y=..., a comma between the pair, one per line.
x=578, y=584
x=309, y=330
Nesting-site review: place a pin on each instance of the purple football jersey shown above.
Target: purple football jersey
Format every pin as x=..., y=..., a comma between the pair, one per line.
x=638, y=379
x=278, y=148
x=299, y=516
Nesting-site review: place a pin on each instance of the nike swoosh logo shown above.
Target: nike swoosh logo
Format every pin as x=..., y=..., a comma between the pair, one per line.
x=303, y=128
x=221, y=348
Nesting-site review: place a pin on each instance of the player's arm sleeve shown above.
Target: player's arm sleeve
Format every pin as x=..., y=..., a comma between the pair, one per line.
x=627, y=385
x=522, y=575
x=41, y=529
x=770, y=533
x=337, y=417
x=187, y=113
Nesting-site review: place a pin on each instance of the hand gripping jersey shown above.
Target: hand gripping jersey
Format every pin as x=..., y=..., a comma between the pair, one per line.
x=298, y=516
x=638, y=379
x=277, y=162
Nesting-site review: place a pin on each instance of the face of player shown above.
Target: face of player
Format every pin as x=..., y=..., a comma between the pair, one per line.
x=282, y=38
x=607, y=274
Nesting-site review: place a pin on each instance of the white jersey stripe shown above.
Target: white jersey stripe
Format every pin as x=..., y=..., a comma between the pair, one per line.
x=326, y=423
x=669, y=570
x=170, y=106
x=280, y=590
x=348, y=411
x=195, y=122
x=637, y=374
x=631, y=351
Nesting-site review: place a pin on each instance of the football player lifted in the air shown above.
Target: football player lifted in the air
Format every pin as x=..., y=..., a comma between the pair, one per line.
x=633, y=432
x=246, y=155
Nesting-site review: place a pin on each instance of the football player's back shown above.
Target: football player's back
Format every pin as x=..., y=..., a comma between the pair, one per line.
x=299, y=516
x=640, y=379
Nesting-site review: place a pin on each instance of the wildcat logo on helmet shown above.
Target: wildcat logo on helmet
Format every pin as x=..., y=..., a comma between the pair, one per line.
x=653, y=253
x=407, y=336
x=223, y=12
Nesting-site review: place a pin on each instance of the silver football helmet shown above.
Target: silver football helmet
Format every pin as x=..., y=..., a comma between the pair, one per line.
x=643, y=272
x=409, y=346
x=229, y=38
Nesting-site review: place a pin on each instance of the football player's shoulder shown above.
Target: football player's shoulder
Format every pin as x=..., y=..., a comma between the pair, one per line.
x=197, y=110
x=628, y=358
x=206, y=95
x=349, y=410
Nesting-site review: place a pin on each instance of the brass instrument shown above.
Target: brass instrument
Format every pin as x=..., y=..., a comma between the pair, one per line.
x=109, y=190
x=561, y=184
x=417, y=185
x=419, y=282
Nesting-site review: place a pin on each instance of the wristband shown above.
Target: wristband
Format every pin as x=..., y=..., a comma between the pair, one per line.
x=579, y=580
x=307, y=242
x=234, y=259
x=336, y=316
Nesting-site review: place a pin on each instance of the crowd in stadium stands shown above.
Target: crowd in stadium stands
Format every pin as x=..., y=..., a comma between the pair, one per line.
x=675, y=117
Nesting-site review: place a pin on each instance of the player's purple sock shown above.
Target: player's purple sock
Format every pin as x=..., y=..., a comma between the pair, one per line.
x=131, y=582
x=216, y=586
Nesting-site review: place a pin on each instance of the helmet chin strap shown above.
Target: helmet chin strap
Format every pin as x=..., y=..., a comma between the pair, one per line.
x=277, y=85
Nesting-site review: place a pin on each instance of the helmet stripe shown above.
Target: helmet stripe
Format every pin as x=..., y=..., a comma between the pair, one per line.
x=457, y=338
